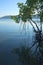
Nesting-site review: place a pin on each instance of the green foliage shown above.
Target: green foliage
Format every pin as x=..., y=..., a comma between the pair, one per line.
x=41, y=16
x=31, y=3
x=41, y=0
x=24, y=11
x=16, y=18
x=28, y=9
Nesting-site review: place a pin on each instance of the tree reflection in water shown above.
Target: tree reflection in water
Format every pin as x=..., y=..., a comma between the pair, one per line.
x=26, y=57
x=26, y=54
x=39, y=41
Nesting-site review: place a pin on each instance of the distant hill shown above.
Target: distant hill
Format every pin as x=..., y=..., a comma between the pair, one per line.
x=5, y=17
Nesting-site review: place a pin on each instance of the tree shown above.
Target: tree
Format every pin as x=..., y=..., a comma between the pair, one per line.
x=27, y=11
x=36, y=5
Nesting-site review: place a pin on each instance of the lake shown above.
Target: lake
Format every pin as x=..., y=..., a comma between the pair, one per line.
x=13, y=35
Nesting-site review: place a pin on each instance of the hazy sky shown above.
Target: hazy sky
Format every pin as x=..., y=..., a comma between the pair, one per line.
x=9, y=7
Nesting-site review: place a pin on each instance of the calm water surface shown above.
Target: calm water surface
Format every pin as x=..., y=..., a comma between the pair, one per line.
x=13, y=35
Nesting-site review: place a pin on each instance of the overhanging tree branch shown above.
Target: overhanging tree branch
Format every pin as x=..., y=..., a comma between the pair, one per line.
x=35, y=24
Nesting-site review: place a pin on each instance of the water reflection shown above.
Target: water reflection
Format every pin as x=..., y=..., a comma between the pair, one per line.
x=25, y=55
x=12, y=37
x=36, y=56
x=39, y=41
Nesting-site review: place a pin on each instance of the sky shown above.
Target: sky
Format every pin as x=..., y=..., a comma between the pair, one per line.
x=9, y=7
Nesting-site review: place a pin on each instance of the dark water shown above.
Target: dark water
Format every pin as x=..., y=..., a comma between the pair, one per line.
x=13, y=35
